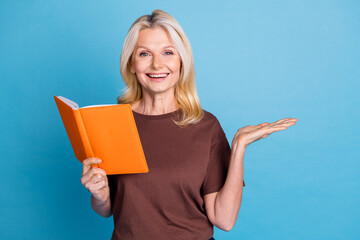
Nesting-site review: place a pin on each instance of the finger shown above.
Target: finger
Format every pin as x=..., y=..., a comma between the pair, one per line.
x=261, y=125
x=277, y=129
x=292, y=120
x=91, y=173
x=280, y=121
x=266, y=135
x=99, y=170
x=88, y=162
x=271, y=129
x=97, y=178
x=97, y=186
x=274, y=129
x=286, y=120
x=287, y=124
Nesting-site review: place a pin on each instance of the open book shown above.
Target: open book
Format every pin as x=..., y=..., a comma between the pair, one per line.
x=107, y=132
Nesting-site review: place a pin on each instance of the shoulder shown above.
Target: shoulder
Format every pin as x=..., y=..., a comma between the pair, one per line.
x=212, y=122
x=208, y=116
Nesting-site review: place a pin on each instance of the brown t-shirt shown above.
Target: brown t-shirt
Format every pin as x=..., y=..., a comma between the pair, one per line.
x=184, y=165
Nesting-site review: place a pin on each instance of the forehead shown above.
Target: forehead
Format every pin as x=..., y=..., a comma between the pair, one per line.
x=153, y=38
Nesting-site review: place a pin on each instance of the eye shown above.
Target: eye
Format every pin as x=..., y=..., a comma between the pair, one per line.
x=143, y=54
x=169, y=53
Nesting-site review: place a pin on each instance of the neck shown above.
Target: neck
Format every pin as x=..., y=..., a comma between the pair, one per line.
x=155, y=104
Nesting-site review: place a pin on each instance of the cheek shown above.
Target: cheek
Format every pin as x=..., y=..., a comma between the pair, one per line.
x=140, y=66
x=175, y=66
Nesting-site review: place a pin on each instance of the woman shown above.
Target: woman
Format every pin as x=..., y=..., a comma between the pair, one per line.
x=195, y=180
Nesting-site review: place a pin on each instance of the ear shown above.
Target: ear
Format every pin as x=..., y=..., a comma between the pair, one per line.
x=131, y=66
x=131, y=63
x=132, y=69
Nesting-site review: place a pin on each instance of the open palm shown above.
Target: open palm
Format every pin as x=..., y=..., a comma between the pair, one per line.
x=251, y=133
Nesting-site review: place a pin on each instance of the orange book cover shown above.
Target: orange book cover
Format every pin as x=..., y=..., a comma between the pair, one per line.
x=107, y=132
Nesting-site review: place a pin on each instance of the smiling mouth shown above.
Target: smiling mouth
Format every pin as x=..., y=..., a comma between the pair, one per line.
x=157, y=76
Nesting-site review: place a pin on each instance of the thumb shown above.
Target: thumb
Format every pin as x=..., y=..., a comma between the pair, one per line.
x=90, y=162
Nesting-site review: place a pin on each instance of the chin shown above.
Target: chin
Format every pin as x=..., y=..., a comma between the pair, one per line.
x=159, y=90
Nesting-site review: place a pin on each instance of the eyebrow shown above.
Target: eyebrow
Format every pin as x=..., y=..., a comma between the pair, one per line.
x=168, y=46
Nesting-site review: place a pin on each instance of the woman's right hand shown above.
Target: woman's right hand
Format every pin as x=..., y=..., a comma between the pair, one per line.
x=95, y=180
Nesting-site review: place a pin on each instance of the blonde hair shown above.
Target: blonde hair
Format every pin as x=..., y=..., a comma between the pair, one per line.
x=185, y=89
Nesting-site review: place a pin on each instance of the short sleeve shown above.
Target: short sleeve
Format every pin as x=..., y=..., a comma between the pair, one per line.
x=220, y=152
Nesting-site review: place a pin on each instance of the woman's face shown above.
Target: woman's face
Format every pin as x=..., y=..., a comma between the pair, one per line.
x=155, y=62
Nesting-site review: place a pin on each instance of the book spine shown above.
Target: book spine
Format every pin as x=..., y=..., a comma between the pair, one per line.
x=83, y=135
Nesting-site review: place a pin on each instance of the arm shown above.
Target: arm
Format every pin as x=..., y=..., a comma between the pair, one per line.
x=102, y=208
x=223, y=207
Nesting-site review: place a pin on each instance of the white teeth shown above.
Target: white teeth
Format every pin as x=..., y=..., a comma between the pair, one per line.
x=157, y=75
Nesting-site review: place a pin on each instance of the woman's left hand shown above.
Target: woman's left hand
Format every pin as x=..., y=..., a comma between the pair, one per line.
x=250, y=134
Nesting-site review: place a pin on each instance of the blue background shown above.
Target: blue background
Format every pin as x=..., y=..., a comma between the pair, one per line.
x=256, y=61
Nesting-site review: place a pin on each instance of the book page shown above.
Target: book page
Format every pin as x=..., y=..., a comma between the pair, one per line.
x=100, y=105
x=72, y=104
x=75, y=106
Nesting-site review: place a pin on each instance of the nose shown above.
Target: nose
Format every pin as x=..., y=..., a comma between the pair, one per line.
x=156, y=62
